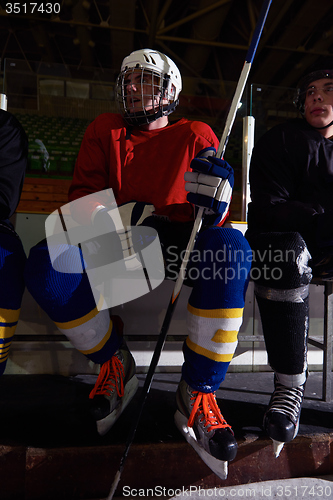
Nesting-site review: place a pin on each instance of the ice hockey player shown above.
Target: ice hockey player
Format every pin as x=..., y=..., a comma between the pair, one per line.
x=13, y=164
x=290, y=225
x=144, y=158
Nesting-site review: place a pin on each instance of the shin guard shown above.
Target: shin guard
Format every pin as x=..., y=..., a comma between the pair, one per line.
x=220, y=263
x=68, y=300
x=282, y=276
x=12, y=261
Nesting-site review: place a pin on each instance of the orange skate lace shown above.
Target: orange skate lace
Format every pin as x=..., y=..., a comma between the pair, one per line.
x=110, y=376
x=205, y=405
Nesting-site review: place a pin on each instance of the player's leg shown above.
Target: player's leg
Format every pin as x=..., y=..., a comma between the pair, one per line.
x=282, y=276
x=68, y=300
x=219, y=271
x=12, y=262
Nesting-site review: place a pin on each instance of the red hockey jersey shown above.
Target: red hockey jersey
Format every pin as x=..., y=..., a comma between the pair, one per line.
x=146, y=166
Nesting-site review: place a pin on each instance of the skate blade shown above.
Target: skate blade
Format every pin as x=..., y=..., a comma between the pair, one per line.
x=105, y=424
x=85, y=378
x=219, y=467
x=277, y=446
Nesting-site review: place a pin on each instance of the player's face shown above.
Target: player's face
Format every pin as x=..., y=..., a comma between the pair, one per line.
x=142, y=90
x=318, y=105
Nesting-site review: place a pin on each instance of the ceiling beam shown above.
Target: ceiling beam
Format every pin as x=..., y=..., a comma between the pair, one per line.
x=195, y=15
x=291, y=40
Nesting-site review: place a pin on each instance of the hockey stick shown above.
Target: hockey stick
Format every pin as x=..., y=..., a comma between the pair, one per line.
x=196, y=228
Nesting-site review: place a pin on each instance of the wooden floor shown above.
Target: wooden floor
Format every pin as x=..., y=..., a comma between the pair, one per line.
x=49, y=448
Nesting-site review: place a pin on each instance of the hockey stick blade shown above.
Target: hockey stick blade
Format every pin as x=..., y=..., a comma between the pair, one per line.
x=196, y=228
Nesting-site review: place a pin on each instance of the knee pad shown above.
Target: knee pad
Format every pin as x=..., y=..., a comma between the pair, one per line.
x=63, y=296
x=280, y=261
x=223, y=247
x=220, y=264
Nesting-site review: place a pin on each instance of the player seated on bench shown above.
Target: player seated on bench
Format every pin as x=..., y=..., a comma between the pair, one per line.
x=159, y=173
x=290, y=228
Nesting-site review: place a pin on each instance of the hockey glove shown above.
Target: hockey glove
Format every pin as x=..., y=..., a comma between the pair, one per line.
x=115, y=240
x=103, y=221
x=210, y=185
x=134, y=213
x=106, y=246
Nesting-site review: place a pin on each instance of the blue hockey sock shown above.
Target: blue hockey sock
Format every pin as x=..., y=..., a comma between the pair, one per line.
x=68, y=300
x=222, y=262
x=12, y=261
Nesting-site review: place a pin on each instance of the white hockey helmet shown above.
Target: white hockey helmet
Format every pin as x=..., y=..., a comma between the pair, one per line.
x=162, y=88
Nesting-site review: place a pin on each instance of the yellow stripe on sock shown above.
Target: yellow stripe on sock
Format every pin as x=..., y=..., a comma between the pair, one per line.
x=3, y=346
x=7, y=331
x=4, y=354
x=236, y=312
x=101, y=344
x=79, y=321
x=209, y=354
x=224, y=336
x=9, y=315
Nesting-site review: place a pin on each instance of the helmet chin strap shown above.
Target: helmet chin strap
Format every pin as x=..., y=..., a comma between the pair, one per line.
x=142, y=118
x=325, y=126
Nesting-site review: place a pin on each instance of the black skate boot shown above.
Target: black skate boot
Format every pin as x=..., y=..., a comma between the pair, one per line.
x=281, y=420
x=115, y=387
x=200, y=421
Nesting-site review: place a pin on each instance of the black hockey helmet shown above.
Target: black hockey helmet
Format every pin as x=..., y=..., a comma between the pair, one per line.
x=322, y=69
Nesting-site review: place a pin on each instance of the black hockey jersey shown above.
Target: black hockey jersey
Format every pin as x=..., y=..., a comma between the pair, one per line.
x=13, y=163
x=291, y=179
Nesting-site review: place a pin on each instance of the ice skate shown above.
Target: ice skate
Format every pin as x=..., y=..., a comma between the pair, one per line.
x=200, y=421
x=281, y=420
x=114, y=389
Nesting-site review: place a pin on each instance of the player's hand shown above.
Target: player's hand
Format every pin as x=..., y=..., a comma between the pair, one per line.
x=210, y=185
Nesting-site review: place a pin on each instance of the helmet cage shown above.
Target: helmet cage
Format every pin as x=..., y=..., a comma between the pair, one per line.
x=150, y=101
x=147, y=87
x=303, y=85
